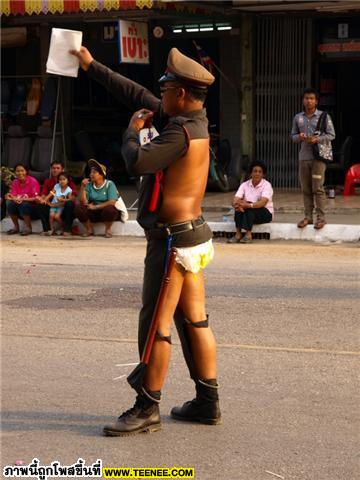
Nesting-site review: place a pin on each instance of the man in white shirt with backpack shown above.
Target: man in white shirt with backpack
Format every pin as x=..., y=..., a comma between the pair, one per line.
x=311, y=171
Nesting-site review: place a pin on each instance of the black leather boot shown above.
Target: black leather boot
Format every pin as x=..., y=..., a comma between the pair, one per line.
x=204, y=408
x=144, y=416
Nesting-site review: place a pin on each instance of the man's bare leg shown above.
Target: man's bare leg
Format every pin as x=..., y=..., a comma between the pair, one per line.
x=202, y=340
x=205, y=407
x=144, y=416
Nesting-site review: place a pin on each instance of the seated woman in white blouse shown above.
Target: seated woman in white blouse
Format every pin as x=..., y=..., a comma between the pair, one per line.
x=253, y=204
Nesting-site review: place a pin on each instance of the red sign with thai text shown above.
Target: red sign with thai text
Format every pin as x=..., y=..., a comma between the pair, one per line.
x=134, y=42
x=339, y=47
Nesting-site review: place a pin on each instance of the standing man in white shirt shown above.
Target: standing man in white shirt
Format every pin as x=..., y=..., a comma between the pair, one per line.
x=311, y=171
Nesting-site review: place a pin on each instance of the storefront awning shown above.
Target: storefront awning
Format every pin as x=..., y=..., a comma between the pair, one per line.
x=45, y=7
x=30, y=7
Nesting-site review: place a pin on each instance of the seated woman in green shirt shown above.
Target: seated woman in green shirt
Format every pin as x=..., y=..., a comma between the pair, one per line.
x=97, y=200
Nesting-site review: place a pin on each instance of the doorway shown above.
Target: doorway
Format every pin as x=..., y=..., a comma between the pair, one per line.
x=340, y=97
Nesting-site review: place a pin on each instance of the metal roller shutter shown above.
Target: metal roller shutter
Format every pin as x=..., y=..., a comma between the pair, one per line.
x=282, y=71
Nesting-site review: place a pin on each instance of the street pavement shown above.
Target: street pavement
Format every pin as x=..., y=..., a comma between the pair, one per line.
x=285, y=315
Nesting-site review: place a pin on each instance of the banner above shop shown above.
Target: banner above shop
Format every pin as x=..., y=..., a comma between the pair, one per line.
x=22, y=7
x=55, y=7
x=133, y=42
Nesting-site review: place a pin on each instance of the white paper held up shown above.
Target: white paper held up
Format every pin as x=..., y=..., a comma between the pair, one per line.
x=147, y=134
x=60, y=61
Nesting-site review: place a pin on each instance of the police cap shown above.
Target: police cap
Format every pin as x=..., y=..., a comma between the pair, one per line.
x=181, y=68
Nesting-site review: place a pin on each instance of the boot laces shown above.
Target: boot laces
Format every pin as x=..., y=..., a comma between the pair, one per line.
x=131, y=411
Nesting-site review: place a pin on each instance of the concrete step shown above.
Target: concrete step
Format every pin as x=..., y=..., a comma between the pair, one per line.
x=276, y=230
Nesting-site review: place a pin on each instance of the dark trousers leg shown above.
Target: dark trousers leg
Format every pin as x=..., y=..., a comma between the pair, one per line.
x=153, y=274
x=3, y=209
x=67, y=215
x=43, y=212
x=251, y=216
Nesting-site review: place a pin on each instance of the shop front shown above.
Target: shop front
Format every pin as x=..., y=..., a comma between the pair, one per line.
x=337, y=73
x=85, y=119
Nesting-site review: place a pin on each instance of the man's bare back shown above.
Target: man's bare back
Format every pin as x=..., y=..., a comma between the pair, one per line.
x=185, y=183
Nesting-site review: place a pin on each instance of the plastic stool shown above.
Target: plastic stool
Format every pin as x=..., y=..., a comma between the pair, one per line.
x=351, y=179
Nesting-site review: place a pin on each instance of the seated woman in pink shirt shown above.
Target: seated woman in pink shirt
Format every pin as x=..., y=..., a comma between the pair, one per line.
x=253, y=204
x=21, y=200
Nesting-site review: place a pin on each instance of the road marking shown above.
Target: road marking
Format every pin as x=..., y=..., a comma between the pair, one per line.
x=125, y=364
x=288, y=349
x=219, y=345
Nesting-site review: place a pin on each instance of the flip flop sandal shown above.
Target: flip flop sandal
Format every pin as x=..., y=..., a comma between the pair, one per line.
x=12, y=231
x=25, y=233
x=304, y=222
x=108, y=235
x=233, y=240
x=245, y=239
x=319, y=224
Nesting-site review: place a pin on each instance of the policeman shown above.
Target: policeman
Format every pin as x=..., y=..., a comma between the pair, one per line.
x=177, y=161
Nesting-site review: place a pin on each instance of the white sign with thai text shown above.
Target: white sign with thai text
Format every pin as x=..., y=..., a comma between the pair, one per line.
x=133, y=42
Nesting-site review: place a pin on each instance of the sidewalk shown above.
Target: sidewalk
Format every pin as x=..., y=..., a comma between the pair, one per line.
x=343, y=217
x=285, y=201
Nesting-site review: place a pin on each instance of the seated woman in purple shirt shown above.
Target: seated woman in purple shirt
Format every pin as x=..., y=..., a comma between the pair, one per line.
x=253, y=204
x=21, y=200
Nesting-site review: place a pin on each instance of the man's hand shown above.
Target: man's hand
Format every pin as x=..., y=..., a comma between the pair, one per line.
x=302, y=136
x=85, y=182
x=91, y=206
x=236, y=201
x=84, y=56
x=239, y=209
x=141, y=119
x=238, y=204
x=312, y=140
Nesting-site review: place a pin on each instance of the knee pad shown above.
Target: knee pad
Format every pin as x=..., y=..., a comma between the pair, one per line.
x=164, y=338
x=200, y=324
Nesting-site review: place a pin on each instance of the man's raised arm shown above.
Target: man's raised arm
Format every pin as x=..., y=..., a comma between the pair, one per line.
x=130, y=93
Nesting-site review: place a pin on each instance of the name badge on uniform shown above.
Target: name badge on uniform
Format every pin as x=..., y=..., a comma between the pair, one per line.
x=147, y=134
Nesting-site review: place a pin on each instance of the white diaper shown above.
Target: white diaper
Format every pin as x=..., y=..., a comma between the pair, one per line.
x=195, y=258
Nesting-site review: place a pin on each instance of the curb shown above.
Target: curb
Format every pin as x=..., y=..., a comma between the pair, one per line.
x=288, y=210
x=276, y=231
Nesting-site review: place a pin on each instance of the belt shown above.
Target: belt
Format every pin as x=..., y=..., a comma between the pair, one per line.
x=176, y=228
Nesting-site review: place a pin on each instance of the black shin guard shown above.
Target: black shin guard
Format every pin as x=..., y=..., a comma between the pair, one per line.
x=165, y=338
x=200, y=324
